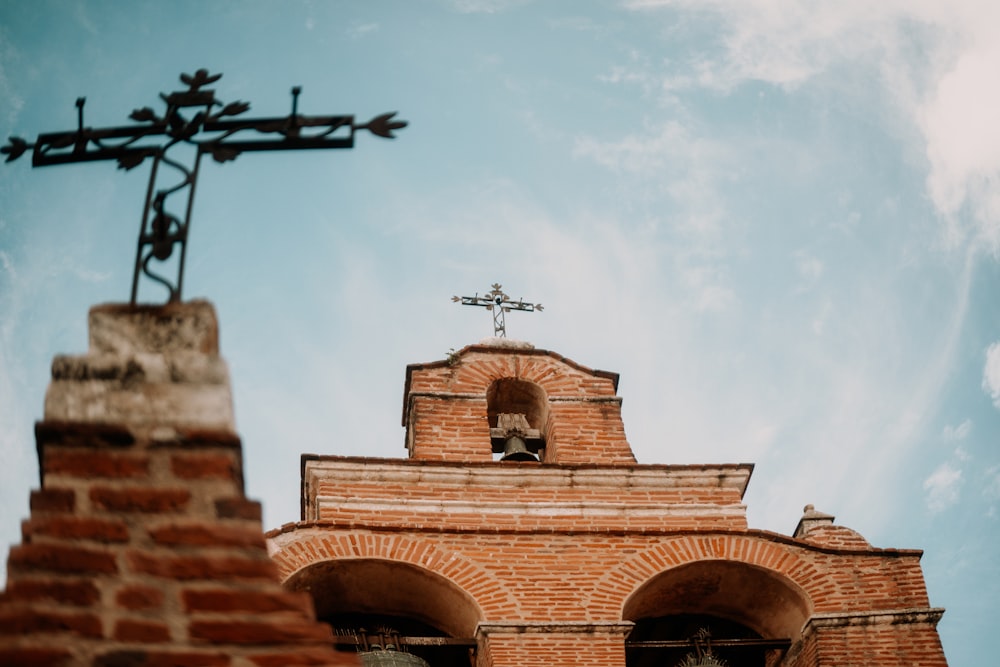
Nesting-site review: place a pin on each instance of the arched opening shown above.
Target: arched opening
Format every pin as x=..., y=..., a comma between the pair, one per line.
x=747, y=614
x=433, y=618
x=517, y=411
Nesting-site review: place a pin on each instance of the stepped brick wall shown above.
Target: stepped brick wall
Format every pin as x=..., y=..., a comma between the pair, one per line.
x=556, y=561
x=446, y=406
x=141, y=548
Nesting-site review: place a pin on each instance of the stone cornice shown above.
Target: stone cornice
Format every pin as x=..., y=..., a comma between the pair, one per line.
x=881, y=617
x=490, y=474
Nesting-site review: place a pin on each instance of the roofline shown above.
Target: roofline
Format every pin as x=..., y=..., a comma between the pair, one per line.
x=748, y=468
x=754, y=533
x=491, y=349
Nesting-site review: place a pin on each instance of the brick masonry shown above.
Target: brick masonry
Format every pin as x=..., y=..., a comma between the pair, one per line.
x=553, y=561
x=141, y=547
x=142, y=550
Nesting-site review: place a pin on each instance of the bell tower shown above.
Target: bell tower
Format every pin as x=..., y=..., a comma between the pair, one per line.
x=520, y=530
x=505, y=398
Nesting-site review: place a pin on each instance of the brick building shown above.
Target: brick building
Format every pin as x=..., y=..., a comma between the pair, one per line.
x=519, y=530
x=141, y=549
x=565, y=551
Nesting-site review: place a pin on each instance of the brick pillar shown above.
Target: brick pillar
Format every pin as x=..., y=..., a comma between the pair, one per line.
x=553, y=644
x=142, y=548
x=887, y=639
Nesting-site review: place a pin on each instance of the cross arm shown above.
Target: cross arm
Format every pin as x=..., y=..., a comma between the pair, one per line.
x=84, y=145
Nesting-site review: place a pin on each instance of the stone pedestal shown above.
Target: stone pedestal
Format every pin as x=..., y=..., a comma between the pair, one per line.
x=141, y=547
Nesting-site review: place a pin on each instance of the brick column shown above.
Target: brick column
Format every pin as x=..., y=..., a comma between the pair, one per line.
x=553, y=644
x=142, y=548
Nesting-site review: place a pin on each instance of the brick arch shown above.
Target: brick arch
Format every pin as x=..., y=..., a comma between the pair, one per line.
x=762, y=561
x=301, y=549
x=555, y=375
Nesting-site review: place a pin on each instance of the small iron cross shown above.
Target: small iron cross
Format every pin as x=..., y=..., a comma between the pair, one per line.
x=499, y=304
x=212, y=128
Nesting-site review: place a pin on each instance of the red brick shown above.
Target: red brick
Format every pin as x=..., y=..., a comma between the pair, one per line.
x=149, y=632
x=301, y=658
x=206, y=465
x=140, y=499
x=207, y=534
x=76, y=528
x=57, y=558
x=53, y=500
x=187, y=568
x=238, y=508
x=25, y=621
x=227, y=600
x=88, y=435
x=161, y=658
x=250, y=632
x=204, y=438
x=139, y=597
x=88, y=464
x=34, y=657
x=74, y=593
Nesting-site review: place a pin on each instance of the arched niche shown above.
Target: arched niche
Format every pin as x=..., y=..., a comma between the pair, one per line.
x=513, y=396
x=733, y=600
x=758, y=598
x=368, y=588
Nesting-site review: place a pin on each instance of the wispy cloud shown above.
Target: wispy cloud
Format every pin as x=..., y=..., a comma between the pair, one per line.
x=959, y=432
x=936, y=63
x=487, y=6
x=359, y=30
x=9, y=58
x=991, y=490
x=991, y=373
x=83, y=18
x=942, y=487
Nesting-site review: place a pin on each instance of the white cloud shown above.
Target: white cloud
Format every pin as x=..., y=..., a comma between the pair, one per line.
x=486, y=6
x=935, y=64
x=991, y=373
x=820, y=320
x=991, y=490
x=358, y=30
x=960, y=432
x=942, y=487
x=8, y=266
x=809, y=267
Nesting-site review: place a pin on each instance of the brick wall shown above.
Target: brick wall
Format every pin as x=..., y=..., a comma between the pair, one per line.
x=141, y=548
x=553, y=561
x=445, y=406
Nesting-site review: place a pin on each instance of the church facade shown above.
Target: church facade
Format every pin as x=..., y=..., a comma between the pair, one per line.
x=518, y=530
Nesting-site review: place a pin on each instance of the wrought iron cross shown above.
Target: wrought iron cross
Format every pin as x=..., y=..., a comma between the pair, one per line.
x=212, y=129
x=499, y=304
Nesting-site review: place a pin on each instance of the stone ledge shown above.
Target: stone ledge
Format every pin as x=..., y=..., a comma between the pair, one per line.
x=733, y=476
x=124, y=329
x=881, y=617
x=555, y=627
x=147, y=366
x=555, y=510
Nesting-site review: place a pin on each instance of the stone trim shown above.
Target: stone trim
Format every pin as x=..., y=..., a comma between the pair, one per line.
x=533, y=508
x=401, y=471
x=882, y=617
x=566, y=627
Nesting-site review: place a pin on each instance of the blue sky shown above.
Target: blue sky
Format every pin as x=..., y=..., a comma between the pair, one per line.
x=779, y=221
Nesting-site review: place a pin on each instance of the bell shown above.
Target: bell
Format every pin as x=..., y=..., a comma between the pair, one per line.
x=515, y=449
x=391, y=658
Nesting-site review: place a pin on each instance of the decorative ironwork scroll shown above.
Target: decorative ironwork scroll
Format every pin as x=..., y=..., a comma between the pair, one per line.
x=193, y=118
x=499, y=304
